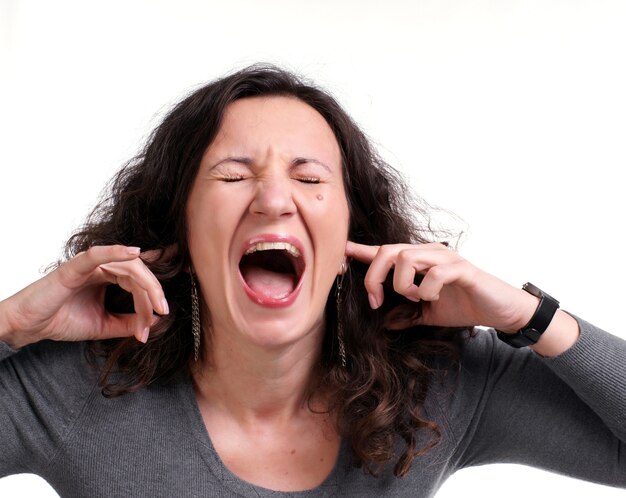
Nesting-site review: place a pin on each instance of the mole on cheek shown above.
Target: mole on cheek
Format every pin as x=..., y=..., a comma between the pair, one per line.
x=320, y=197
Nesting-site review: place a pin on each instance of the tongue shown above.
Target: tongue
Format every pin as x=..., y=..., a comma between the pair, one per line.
x=268, y=283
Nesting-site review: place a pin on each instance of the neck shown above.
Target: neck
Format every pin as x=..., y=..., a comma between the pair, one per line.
x=253, y=383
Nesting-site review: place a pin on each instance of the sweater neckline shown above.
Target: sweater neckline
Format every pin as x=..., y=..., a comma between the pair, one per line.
x=330, y=486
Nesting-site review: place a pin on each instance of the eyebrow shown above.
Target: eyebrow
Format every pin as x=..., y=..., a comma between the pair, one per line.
x=248, y=161
x=300, y=160
x=243, y=160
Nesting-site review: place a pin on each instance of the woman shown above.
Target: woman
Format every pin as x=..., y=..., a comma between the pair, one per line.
x=289, y=328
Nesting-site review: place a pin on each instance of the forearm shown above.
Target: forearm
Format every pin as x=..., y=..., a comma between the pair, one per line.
x=6, y=334
x=595, y=367
x=526, y=414
x=9, y=334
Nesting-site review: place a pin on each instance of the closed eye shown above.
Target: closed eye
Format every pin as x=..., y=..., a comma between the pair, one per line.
x=308, y=179
x=232, y=178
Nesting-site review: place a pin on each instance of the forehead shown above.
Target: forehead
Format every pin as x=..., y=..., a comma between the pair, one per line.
x=284, y=123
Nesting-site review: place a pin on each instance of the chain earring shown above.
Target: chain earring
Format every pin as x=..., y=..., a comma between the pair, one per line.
x=195, y=317
x=338, y=297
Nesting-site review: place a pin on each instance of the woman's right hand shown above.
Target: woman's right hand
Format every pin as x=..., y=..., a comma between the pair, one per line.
x=68, y=303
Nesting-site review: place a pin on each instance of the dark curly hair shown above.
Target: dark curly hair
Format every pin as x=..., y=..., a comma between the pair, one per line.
x=377, y=398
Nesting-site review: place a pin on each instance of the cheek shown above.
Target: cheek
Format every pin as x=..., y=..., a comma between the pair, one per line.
x=329, y=219
x=210, y=220
x=329, y=207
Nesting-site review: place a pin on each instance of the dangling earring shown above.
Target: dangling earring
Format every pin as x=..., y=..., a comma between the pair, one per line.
x=195, y=317
x=342, y=346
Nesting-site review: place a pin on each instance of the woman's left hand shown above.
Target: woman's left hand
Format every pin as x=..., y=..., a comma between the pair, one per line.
x=453, y=292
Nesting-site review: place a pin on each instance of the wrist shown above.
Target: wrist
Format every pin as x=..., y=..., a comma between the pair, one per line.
x=5, y=329
x=527, y=306
x=531, y=332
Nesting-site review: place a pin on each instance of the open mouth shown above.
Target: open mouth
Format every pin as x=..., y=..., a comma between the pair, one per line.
x=271, y=272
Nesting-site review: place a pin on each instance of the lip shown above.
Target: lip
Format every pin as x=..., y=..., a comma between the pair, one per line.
x=266, y=301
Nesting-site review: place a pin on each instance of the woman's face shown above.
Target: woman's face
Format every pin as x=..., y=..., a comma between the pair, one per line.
x=268, y=221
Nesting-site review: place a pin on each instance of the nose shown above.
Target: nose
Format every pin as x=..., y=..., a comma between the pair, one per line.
x=273, y=197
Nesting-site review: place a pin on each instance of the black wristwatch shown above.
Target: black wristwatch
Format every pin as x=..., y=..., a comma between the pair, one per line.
x=531, y=332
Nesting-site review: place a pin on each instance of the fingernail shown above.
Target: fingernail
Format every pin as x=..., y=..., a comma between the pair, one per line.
x=373, y=302
x=414, y=299
x=133, y=250
x=144, y=335
x=165, y=309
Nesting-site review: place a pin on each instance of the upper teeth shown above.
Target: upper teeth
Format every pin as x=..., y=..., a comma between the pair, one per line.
x=267, y=246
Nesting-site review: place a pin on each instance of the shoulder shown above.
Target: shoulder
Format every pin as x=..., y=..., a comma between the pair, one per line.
x=43, y=389
x=48, y=377
x=48, y=361
x=486, y=366
x=495, y=381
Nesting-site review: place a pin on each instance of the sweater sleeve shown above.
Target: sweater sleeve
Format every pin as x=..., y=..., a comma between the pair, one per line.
x=564, y=414
x=6, y=351
x=43, y=388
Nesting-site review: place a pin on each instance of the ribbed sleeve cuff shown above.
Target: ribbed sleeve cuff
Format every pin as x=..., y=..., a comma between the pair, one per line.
x=595, y=368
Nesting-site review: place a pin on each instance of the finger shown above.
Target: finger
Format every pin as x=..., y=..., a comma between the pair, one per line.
x=416, y=259
x=408, y=260
x=406, y=267
x=438, y=276
x=361, y=252
x=143, y=315
x=87, y=261
x=142, y=318
x=377, y=273
x=125, y=326
x=142, y=276
x=366, y=253
x=75, y=272
x=164, y=254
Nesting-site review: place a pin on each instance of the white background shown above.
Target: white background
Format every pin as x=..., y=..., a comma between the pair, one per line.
x=510, y=114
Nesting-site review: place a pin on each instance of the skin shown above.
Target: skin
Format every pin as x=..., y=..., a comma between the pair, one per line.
x=252, y=393
x=274, y=168
x=263, y=174
x=67, y=304
x=456, y=293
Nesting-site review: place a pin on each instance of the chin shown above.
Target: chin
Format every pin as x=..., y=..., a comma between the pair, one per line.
x=279, y=332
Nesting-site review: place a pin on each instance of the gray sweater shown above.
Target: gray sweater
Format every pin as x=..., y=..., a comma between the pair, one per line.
x=566, y=414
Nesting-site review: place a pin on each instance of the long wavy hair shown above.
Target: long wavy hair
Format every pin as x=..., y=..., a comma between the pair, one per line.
x=377, y=398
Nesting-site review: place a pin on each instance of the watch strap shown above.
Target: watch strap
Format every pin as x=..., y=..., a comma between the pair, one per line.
x=531, y=332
